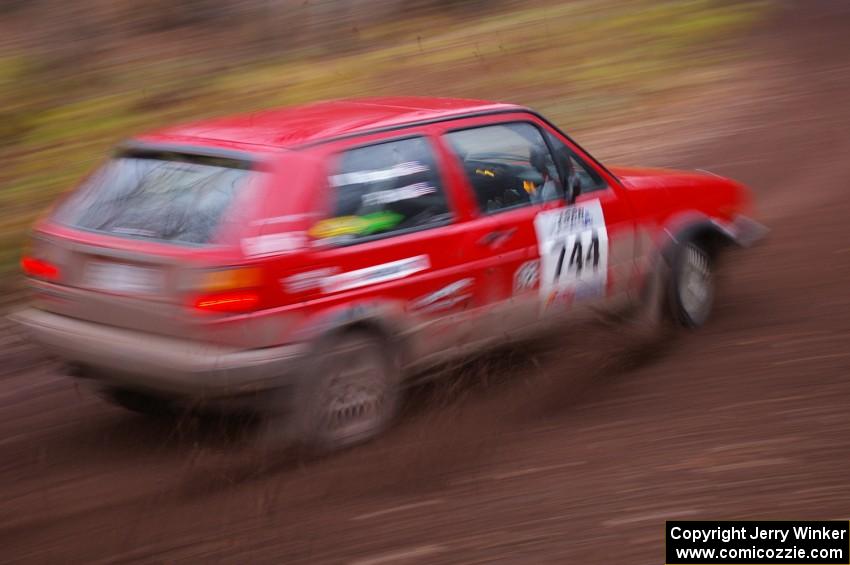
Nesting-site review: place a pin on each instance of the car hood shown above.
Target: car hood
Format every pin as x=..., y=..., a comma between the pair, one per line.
x=640, y=177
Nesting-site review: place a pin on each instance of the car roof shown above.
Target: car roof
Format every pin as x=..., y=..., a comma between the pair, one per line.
x=296, y=126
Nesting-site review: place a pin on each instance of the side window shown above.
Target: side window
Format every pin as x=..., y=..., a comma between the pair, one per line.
x=589, y=178
x=508, y=165
x=384, y=188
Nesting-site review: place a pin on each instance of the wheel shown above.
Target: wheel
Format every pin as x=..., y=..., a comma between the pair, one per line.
x=140, y=402
x=692, y=286
x=348, y=397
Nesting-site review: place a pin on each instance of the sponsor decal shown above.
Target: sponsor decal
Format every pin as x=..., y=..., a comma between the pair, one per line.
x=527, y=276
x=273, y=243
x=308, y=280
x=355, y=225
x=445, y=298
x=335, y=227
x=573, y=246
x=563, y=298
x=376, y=274
x=395, y=194
x=378, y=175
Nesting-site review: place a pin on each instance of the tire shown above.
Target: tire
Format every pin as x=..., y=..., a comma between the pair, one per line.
x=348, y=397
x=691, y=286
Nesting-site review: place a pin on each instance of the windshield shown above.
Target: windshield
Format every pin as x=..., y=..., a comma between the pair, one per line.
x=163, y=196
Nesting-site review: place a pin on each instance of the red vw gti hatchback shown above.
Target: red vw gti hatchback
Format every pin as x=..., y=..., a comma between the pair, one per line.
x=312, y=259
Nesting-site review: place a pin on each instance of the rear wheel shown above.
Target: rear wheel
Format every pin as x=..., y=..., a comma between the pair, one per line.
x=349, y=397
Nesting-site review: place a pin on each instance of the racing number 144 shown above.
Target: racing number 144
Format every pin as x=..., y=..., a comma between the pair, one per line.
x=573, y=247
x=577, y=259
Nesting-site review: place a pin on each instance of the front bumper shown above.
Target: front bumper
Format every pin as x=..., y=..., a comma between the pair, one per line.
x=745, y=231
x=158, y=363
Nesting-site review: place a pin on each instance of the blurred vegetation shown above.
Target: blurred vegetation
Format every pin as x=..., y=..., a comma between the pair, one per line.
x=77, y=76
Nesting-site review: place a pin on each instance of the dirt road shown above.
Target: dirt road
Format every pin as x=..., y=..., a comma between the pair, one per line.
x=574, y=456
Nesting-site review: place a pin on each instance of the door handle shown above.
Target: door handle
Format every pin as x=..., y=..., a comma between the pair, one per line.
x=496, y=238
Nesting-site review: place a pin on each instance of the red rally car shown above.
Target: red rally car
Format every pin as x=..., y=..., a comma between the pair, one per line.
x=314, y=258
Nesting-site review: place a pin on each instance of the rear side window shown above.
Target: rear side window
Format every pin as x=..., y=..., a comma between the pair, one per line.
x=508, y=165
x=160, y=196
x=382, y=189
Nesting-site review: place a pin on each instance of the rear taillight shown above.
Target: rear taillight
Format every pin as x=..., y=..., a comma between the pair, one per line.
x=228, y=290
x=39, y=268
x=231, y=301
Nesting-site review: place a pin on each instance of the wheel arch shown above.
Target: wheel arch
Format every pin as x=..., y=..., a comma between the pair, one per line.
x=383, y=320
x=709, y=233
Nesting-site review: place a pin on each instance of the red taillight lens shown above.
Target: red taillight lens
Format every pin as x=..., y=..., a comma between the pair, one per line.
x=39, y=268
x=233, y=301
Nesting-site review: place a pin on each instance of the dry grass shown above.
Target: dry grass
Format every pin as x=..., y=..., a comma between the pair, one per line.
x=587, y=64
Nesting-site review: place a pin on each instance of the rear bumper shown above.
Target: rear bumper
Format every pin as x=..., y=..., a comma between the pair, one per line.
x=164, y=364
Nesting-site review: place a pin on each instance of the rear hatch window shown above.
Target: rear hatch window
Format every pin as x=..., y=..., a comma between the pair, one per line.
x=171, y=197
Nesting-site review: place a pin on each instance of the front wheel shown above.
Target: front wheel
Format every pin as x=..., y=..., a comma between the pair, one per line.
x=677, y=293
x=692, y=286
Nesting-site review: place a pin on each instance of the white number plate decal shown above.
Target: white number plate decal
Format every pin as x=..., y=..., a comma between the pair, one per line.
x=124, y=279
x=573, y=245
